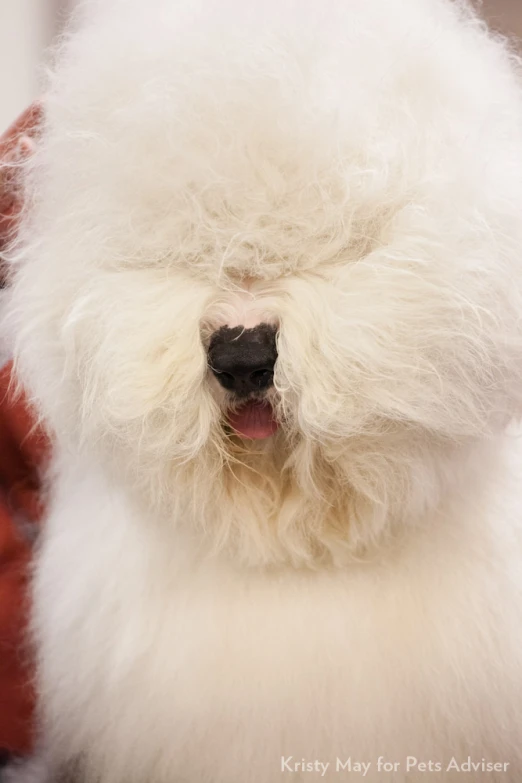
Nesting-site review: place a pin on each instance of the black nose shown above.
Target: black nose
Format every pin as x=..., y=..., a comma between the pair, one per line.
x=243, y=359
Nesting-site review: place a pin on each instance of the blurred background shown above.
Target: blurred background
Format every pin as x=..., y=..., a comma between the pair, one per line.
x=27, y=28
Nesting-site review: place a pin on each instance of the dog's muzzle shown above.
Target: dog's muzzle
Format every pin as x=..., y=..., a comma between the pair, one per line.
x=242, y=359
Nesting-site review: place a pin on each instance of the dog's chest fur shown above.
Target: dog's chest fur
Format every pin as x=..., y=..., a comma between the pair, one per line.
x=160, y=665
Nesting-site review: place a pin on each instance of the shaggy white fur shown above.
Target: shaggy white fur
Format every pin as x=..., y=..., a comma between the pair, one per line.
x=210, y=609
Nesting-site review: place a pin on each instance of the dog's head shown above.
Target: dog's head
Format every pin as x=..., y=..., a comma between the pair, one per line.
x=270, y=273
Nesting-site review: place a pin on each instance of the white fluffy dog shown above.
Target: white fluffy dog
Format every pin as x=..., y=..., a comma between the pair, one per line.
x=267, y=296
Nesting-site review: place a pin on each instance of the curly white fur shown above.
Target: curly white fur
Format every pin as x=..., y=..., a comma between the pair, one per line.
x=352, y=172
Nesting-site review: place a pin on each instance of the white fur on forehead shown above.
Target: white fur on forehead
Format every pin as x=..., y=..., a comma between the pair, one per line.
x=265, y=140
x=349, y=171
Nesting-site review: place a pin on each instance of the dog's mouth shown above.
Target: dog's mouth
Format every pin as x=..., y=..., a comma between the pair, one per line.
x=254, y=420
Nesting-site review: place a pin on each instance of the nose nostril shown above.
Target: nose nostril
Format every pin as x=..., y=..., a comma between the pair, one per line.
x=260, y=379
x=226, y=379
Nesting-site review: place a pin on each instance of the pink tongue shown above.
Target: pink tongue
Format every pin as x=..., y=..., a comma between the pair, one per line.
x=254, y=420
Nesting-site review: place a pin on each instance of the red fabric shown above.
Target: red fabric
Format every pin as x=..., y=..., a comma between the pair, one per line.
x=22, y=451
x=16, y=696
